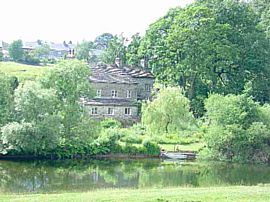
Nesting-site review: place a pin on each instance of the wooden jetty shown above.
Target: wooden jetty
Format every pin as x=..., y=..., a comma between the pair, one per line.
x=178, y=155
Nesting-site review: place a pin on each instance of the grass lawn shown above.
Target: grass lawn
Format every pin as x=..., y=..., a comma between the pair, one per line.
x=22, y=71
x=212, y=194
x=184, y=147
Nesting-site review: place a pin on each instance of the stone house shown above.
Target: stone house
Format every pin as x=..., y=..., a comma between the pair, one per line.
x=118, y=92
x=57, y=50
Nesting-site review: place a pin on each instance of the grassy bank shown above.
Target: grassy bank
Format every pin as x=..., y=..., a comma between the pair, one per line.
x=213, y=194
x=22, y=71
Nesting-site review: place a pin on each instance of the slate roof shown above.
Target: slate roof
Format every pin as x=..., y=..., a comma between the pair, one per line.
x=108, y=102
x=114, y=74
x=30, y=45
x=58, y=47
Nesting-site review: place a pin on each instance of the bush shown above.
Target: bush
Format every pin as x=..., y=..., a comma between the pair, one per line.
x=152, y=148
x=110, y=123
x=239, y=129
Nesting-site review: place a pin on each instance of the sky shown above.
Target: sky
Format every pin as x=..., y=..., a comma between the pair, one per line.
x=75, y=20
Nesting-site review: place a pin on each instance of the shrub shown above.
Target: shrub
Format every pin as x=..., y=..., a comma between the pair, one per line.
x=238, y=129
x=152, y=148
x=110, y=123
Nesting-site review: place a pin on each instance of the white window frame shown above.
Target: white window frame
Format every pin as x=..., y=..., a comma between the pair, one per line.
x=98, y=94
x=129, y=93
x=110, y=111
x=94, y=110
x=114, y=93
x=128, y=110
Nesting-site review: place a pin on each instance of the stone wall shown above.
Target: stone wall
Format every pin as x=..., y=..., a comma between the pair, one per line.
x=144, y=93
x=106, y=90
x=119, y=112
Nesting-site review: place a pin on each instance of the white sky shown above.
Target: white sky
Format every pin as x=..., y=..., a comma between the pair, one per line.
x=59, y=20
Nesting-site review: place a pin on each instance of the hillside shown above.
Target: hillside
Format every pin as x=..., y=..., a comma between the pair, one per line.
x=22, y=71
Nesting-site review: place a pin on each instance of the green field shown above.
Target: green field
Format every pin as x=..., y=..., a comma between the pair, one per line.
x=22, y=71
x=212, y=194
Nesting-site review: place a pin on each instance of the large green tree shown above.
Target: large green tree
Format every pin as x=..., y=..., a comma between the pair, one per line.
x=205, y=48
x=70, y=80
x=15, y=50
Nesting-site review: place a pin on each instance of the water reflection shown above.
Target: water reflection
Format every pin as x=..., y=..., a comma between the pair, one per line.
x=58, y=176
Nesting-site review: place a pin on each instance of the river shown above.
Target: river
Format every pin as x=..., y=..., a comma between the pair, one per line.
x=79, y=175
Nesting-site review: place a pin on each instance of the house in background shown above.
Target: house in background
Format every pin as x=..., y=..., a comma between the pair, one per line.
x=118, y=91
x=4, y=50
x=61, y=50
x=57, y=50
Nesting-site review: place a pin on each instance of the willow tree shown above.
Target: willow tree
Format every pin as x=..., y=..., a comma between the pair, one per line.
x=169, y=112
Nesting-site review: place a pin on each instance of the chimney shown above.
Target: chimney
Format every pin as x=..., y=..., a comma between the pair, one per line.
x=118, y=62
x=143, y=63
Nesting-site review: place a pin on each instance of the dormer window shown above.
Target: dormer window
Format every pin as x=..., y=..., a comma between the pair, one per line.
x=98, y=93
x=128, y=93
x=114, y=93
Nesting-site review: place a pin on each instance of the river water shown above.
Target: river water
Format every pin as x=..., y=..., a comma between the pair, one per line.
x=76, y=175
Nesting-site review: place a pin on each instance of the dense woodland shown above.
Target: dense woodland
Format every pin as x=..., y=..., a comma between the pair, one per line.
x=211, y=61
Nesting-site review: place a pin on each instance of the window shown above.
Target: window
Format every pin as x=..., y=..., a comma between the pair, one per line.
x=128, y=94
x=127, y=111
x=114, y=93
x=110, y=111
x=98, y=93
x=94, y=110
x=147, y=87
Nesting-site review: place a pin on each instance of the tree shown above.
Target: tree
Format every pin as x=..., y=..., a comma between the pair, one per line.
x=42, y=51
x=169, y=112
x=1, y=56
x=132, y=54
x=116, y=48
x=70, y=81
x=238, y=128
x=15, y=50
x=7, y=87
x=102, y=41
x=38, y=127
x=204, y=49
x=84, y=49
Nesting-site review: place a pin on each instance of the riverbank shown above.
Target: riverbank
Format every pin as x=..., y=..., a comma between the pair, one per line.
x=210, y=194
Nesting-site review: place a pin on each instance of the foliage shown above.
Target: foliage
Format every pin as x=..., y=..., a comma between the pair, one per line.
x=132, y=54
x=7, y=87
x=31, y=59
x=102, y=41
x=116, y=48
x=110, y=123
x=42, y=51
x=205, y=48
x=169, y=112
x=15, y=50
x=152, y=148
x=26, y=138
x=1, y=56
x=238, y=128
x=83, y=50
